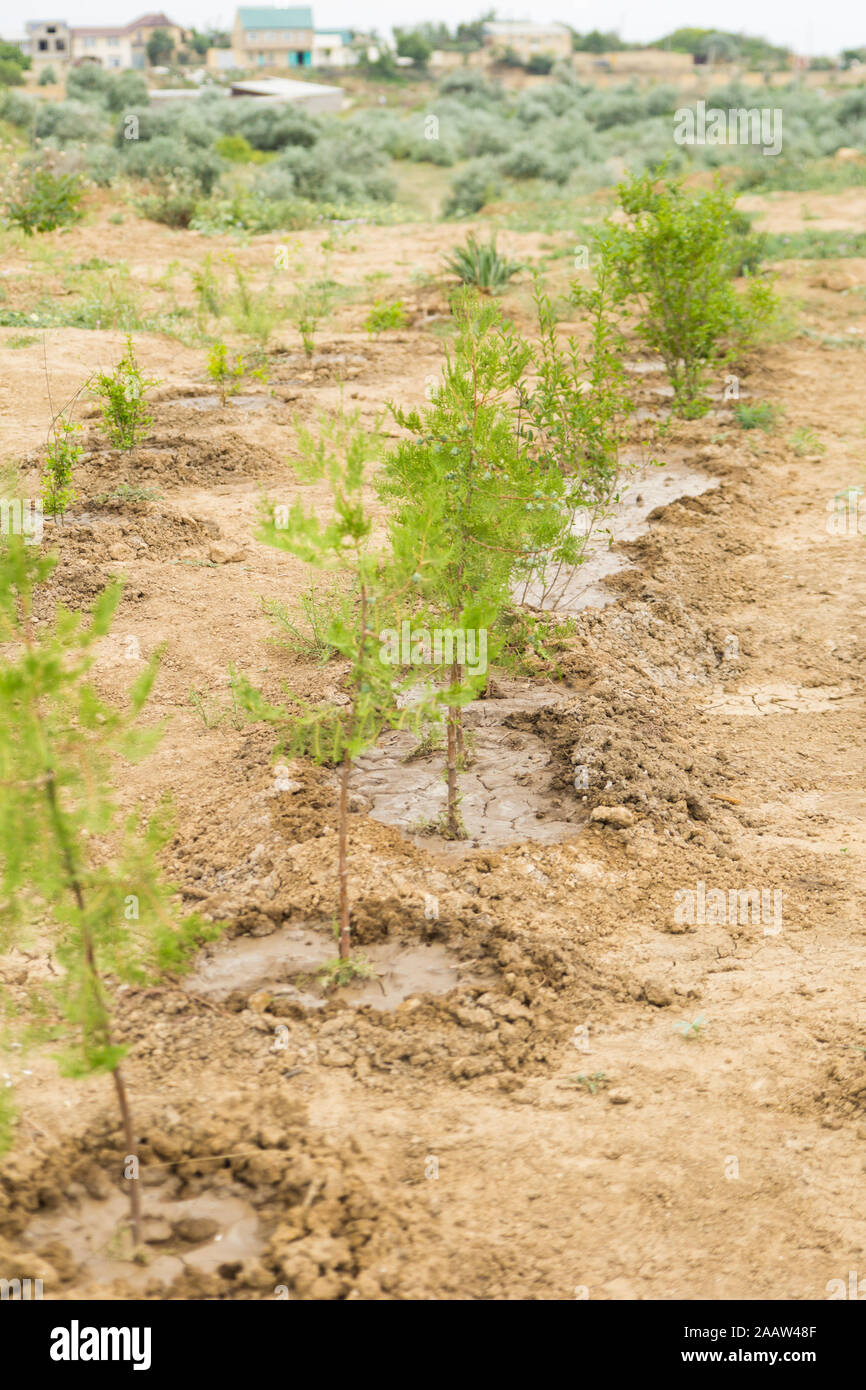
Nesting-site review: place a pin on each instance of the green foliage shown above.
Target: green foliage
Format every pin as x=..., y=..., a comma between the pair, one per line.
x=237, y=150
x=252, y=312
x=473, y=188
x=61, y=456
x=41, y=200
x=122, y=393
x=11, y=75
x=414, y=45
x=758, y=416
x=160, y=48
x=676, y=260
x=384, y=315
x=69, y=857
x=226, y=375
x=481, y=265
x=311, y=302
x=377, y=586
x=46, y=77
x=806, y=443
x=342, y=971
x=487, y=501
x=317, y=607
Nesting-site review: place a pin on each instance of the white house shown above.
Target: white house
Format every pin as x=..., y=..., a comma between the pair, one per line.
x=332, y=48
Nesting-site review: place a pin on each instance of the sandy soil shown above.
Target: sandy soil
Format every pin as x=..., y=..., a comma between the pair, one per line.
x=605, y=1101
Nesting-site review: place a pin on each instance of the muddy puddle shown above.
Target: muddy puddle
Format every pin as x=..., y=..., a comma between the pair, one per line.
x=286, y=965
x=507, y=793
x=645, y=489
x=239, y=402
x=198, y=1233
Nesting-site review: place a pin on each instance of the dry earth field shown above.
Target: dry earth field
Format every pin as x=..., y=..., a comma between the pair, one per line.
x=429, y=1137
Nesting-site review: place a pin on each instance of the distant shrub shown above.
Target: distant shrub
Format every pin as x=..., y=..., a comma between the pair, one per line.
x=87, y=83
x=17, y=109
x=126, y=89
x=468, y=82
x=338, y=169
x=102, y=165
x=68, y=122
x=540, y=63
x=173, y=200
x=46, y=77
x=164, y=158
x=267, y=128
x=11, y=73
x=473, y=188
x=531, y=160
x=236, y=149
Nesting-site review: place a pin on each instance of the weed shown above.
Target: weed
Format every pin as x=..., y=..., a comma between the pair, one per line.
x=383, y=316
x=760, y=416
x=806, y=443
x=343, y=970
x=693, y=1030
x=121, y=392
x=61, y=456
x=482, y=265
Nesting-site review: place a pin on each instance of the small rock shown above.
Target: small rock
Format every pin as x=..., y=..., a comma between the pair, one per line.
x=224, y=553
x=619, y=1097
x=620, y=817
x=657, y=993
x=195, y=1229
x=156, y=1230
x=835, y=280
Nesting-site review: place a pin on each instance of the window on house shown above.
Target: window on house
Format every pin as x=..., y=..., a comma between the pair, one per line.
x=60, y=45
x=252, y=35
x=50, y=29
x=112, y=43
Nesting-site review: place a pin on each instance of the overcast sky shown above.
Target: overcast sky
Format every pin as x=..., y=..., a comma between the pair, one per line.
x=825, y=28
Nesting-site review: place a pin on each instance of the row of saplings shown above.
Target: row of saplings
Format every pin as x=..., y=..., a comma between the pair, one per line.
x=483, y=491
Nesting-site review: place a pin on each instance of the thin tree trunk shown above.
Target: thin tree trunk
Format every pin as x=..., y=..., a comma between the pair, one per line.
x=453, y=824
x=456, y=752
x=105, y=1026
x=131, y=1150
x=342, y=856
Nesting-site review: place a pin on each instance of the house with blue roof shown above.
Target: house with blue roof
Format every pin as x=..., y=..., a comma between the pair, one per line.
x=268, y=37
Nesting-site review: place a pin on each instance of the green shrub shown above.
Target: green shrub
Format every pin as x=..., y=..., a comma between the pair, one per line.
x=473, y=188
x=61, y=456
x=122, y=393
x=11, y=74
x=237, y=150
x=174, y=201
x=164, y=158
x=41, y=200
x=225, y=375
x=68, y=122
x=383, y=316
x=46, y=77
x=759, y=416
x=481, y=265
x=676, y=259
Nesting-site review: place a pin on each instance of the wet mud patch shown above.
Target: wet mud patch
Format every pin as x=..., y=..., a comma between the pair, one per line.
x=282, y=970
x=197, y=1234
x=642, y=494
x=507, y=791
